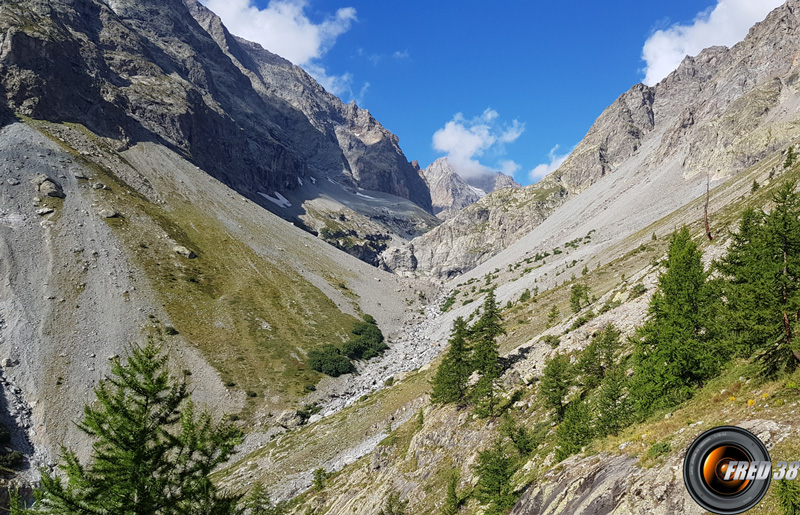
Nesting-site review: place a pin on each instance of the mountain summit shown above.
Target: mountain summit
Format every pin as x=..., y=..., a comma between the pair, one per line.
x=450, y=192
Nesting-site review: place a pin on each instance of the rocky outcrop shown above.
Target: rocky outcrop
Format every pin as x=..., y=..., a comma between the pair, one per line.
x=717, y=114
x=450, y=192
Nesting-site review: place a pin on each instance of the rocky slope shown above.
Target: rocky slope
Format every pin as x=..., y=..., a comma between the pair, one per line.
x=717, y=114
x=450, y=192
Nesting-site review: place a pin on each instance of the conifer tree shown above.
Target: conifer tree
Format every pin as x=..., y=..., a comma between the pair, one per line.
x=614, y=410
x=556, y=380
x=598, y=356
x=675, y=351
x=552, y=316
x=393, y=505
x=152, y=454
x=450, y=381
x=452, y=504
x=575, y=431
x=486, y=356
x=579, y=297
x=788, y=492
x=746, y=287
x=762, y=282
x=782, y=234
x=495, y=469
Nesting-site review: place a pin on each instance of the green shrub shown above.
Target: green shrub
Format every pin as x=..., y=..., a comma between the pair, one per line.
x=11, y=460
x=553, y=340
x=658, y=449
x=638, y=290
x=329, y=360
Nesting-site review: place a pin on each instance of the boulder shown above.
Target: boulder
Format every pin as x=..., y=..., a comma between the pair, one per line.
x=44, y=211
x=183, y=251
x=289, y=419
x=48, y=186
x=108, y=212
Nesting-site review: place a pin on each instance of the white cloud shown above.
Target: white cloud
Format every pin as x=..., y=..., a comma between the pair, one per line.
x=725, y=24
x=464, y=141
x=284, y=29
x=399, y=55
x=509, y=167
x=362, y=92
x=555, y=160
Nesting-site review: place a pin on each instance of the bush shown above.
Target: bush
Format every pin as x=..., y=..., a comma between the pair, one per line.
x=553, y=340
x=638, y=290
x=329, y=360
x=658, y=449
x=11, y=460
x=367, y=341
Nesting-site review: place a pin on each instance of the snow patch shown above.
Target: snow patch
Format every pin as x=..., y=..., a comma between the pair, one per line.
x=313, y=180
x=300, y=181
x=365, y=196
x=479, y=191
x=278, y=199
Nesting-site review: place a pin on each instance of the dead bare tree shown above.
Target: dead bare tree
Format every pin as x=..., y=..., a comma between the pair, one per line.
x=708, y=195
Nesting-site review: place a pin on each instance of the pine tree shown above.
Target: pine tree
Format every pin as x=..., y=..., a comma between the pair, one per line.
x=761, y=283
x=258, y=502
x=552, y=316
x=452, y=504
x=782, y=234
x=675, y=351
x=486, y=356
x=495, y=469
x=746, y=287
x=556, y=380
x=152, y=454
x=598, y=356
x=575, y=431
x=788, y=492
x=393, y=505
x=579, y=297
x=450, y=381
x=614, y=410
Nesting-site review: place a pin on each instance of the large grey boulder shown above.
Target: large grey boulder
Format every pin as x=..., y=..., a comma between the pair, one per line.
x=48, y=186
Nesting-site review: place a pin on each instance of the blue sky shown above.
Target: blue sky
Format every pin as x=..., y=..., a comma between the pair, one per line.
x=508, y=85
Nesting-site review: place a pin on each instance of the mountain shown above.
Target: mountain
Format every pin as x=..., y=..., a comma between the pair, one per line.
x=718, y=113
x=169, y=72
x=450, y=192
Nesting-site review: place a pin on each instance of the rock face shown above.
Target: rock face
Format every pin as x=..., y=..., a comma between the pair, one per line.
x=146, y=70
x=349, y=143
x=717, y=114
x=450, y=192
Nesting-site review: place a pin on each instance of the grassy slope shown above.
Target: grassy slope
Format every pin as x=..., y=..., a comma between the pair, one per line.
x=253, y=316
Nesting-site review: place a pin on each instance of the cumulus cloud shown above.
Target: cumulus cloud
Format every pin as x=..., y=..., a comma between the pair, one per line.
x=466, y=140
x=284, y=29
x=509, y=167
x=555, y=159
x=727, y=23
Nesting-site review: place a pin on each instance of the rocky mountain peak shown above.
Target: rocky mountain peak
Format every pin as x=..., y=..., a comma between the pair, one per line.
x=451, y=192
